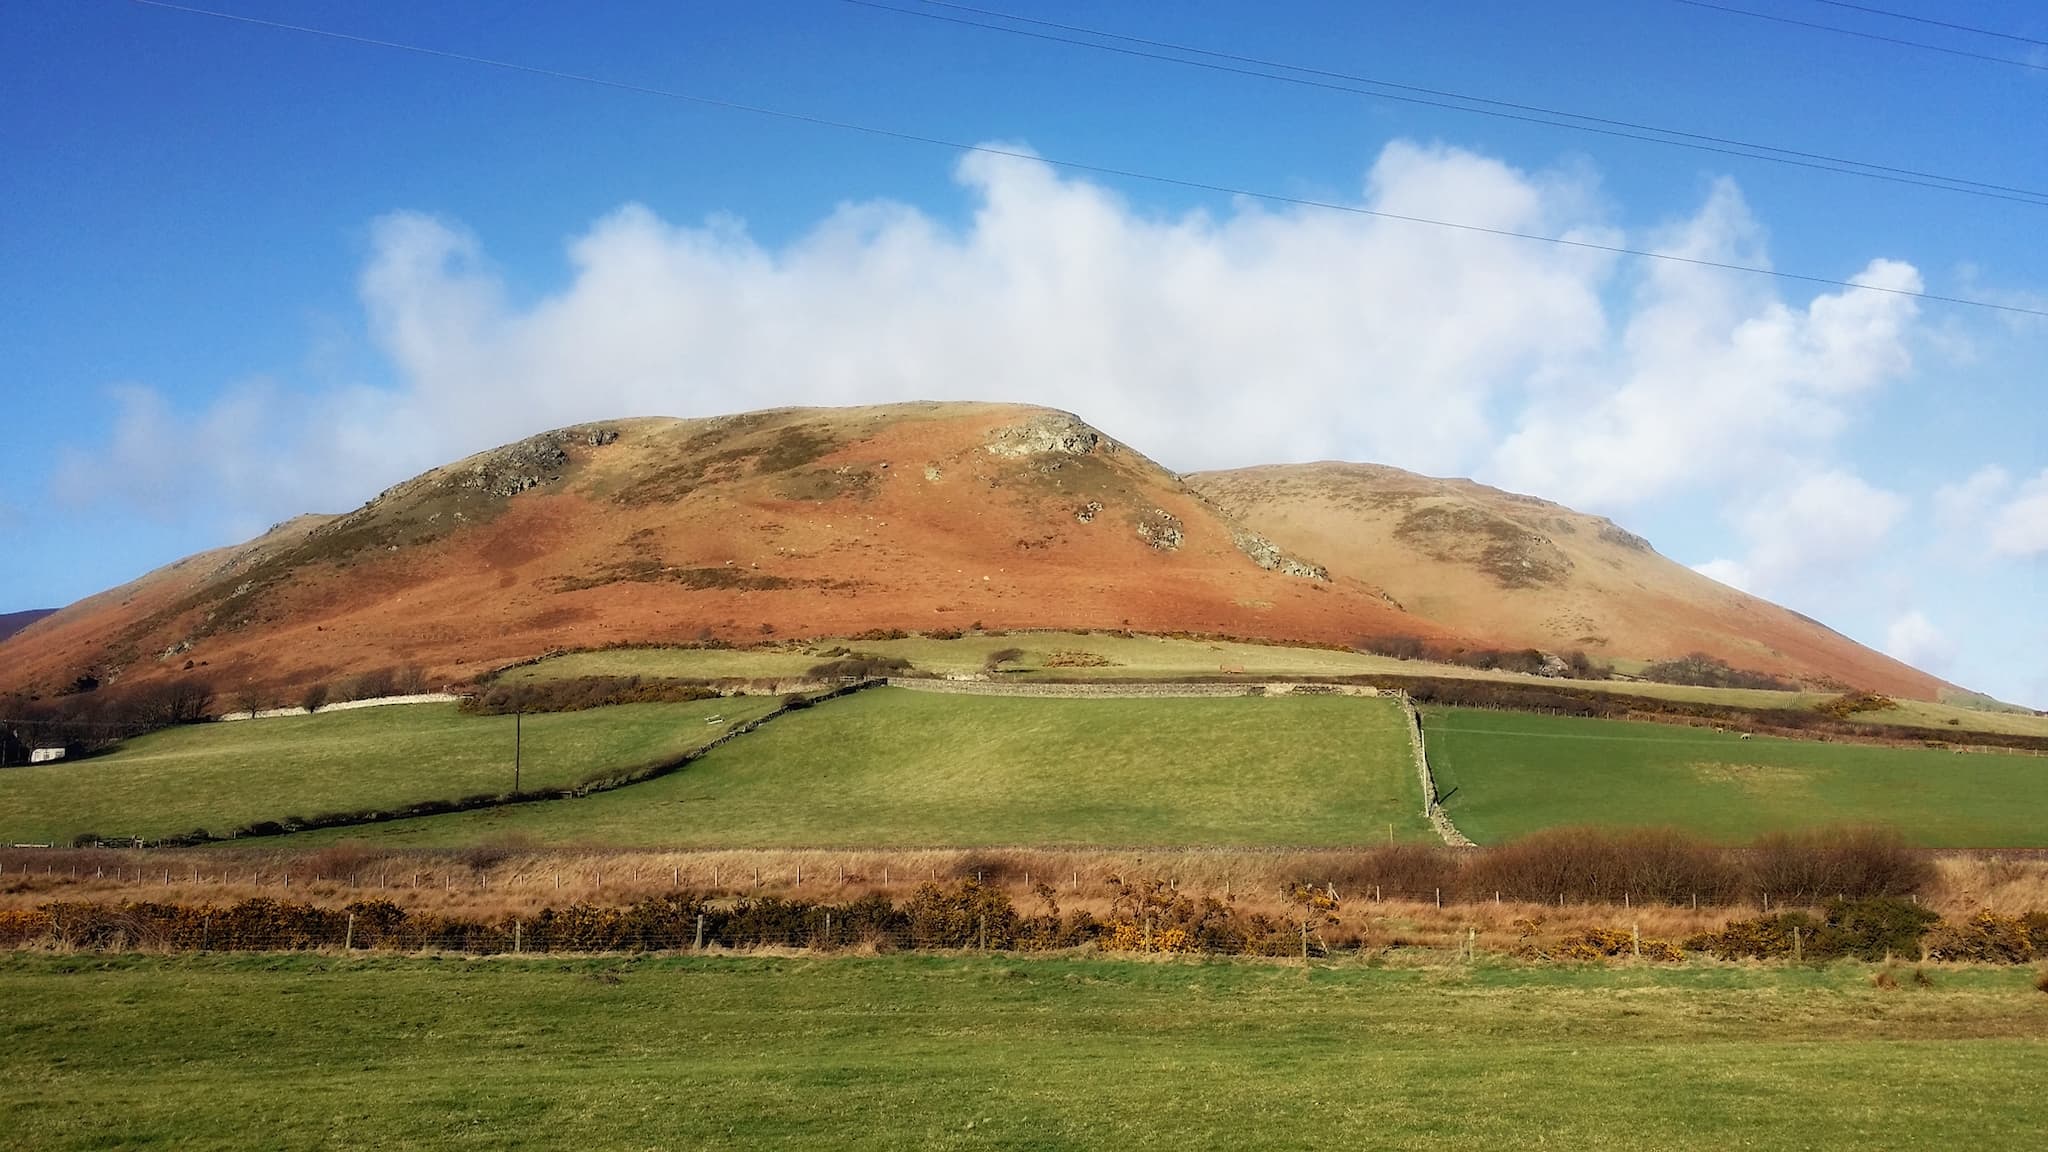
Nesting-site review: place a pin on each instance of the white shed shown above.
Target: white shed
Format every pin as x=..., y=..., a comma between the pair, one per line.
x=44, y=755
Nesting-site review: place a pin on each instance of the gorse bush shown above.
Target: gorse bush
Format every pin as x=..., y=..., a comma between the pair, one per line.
x=1990, y=937
x=1866, y=929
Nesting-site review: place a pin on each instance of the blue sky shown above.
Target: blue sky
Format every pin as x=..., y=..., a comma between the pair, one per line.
x=248, y=272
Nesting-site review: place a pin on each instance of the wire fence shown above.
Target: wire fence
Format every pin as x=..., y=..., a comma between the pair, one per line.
x=677, y=927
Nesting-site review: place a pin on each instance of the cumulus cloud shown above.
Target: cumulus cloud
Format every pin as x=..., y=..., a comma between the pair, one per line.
x=1913, y=638
x=1961, y=507
x=1246, y=334
x=1730, y=572
x=1820, y=526
x=1259, y=335
x=2020, y=526
x=1714, y=378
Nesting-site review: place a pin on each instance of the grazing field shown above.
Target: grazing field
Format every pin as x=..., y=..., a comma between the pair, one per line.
x=895, y=767
x=225, y=776
x=1083, y=655
x=1516, y=773
x=972, y=1052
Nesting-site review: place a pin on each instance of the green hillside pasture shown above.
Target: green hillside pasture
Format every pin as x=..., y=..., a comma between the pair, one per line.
x=1516, y=773
x=892, y=767
x=1053, y=655
x=226, y=775
x=1140, y=657
x=897, y=1052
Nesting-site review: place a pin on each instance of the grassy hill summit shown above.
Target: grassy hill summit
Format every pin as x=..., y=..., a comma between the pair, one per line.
x=924, y=518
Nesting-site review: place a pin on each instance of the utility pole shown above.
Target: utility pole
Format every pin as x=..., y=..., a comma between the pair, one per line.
x=516, y=740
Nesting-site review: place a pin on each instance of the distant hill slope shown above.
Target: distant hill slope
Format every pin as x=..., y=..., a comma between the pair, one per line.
x=12, y=622
x=822, y=522
x=1529, y=573
x=799, y=522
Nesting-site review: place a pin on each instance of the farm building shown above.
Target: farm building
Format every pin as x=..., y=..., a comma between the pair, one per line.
x=45, y=755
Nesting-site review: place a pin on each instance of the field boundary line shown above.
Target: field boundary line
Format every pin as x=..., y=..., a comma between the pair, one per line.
x=1129, y=690
x=589, y=787
x=1432, y=810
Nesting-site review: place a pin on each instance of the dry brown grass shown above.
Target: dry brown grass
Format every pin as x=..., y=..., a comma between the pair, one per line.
x=2010, y=885
x=514, y=880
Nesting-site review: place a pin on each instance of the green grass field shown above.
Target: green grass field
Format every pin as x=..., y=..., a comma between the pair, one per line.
x=223, y=776
x=894, y=767
x=1154, y=657
x=1516, y=773
x=981, y=1052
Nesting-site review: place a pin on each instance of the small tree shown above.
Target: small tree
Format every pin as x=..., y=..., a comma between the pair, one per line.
x=314, y=697
x=1002, y=656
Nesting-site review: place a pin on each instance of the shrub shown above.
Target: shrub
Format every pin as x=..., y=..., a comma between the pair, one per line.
x=1699, y=670
x=1643, y=865
x=314, y=697
x=1849, y=703
x=1607, y=943
x=1804, y=867
x=1986, y=937
x=577, y=693
x=969, y=915
x=1002, y=656
x=858, y=666
x=1868, y=929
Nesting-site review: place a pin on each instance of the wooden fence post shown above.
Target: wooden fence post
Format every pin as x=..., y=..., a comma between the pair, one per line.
x=348, y=938
x=700, y=931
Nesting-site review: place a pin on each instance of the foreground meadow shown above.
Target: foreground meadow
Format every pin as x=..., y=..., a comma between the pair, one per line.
x=949, y=1051
x=1516, y=772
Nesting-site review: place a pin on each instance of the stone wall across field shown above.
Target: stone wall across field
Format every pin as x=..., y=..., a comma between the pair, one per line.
x=345, y=705
x=1162, y=690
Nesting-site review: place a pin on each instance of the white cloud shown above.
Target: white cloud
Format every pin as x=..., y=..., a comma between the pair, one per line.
x=1248, y=335
x=1730, y=572
x=2020, y=526
x=1818, y=528
x=1960, y=508
x=1714, y=378
x=1260, y=335
x=1914, y=639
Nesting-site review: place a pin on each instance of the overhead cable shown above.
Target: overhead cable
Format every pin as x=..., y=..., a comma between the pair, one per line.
x=1080, y=166
x=1267, y=69
x=1862, y=35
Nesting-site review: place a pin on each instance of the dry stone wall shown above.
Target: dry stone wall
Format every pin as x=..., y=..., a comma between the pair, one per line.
x=1163, y=690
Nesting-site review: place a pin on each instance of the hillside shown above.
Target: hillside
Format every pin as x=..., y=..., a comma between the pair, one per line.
x=1525, y=572
x=921, y=517
x=12, y=622
x=798, y=522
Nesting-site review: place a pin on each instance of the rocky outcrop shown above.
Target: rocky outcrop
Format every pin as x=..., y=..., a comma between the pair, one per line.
x=1268, y=555
x=1161, y=529
x=1054, y=433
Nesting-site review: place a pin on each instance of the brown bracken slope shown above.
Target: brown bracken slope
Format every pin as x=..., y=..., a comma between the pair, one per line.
x=822, y=522
x=1525, y=572
x=788, y=523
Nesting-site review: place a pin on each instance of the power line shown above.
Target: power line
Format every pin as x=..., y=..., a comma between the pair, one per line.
x=1478, y=105
x=1080, y=166
x=1929, y=20
x=1839, y=30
